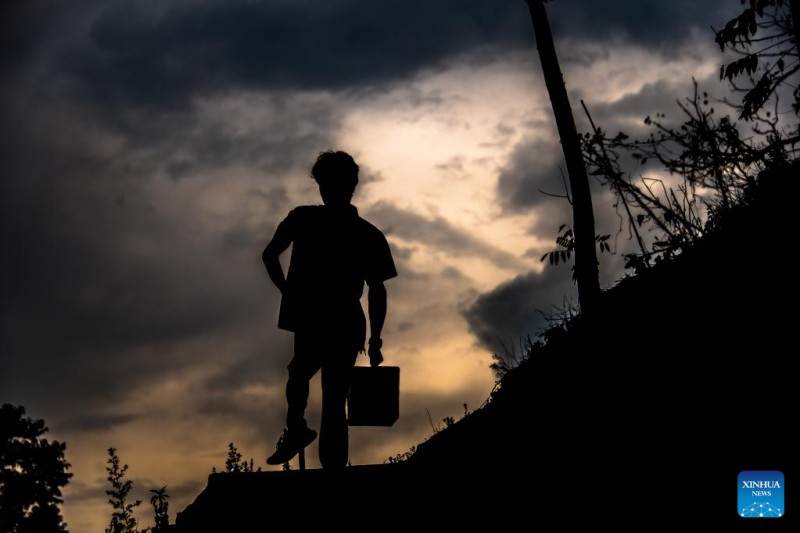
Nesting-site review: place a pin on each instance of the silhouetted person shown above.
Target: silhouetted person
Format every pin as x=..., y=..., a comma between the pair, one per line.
x=334, y=253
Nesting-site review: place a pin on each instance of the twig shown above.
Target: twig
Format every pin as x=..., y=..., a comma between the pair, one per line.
x=431, y=421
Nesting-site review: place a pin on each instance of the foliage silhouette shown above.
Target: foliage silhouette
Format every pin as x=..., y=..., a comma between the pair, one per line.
x=122, y=519
x=402, y=457
x=160, y=509
x=766, y=37
x=705, y=153
x=510, y=357
x=234, y=462
x=711, y=161
x=32, y=472
x=566, y=241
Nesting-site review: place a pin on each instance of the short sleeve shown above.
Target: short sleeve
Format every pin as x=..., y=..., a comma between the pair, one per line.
x=380, y=264
x=286, y=231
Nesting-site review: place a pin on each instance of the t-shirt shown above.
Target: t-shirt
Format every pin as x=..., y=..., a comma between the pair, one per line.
x=334, y=252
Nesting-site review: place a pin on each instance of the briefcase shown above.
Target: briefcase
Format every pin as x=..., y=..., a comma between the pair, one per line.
x=374, y=398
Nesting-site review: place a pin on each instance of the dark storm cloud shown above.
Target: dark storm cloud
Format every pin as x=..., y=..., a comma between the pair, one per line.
x=22, y=25
x=104, y=282
x=648, y=22
x=440, y=234
x=88, y=315
x=531, y=176
x=70, y=216
x=194, y=47
x=534, y=166
x=263, y=366
x=660, y=96
x=519, y=308
x=268, y=132
x=514, y=309
x=656, y=97
x=102, y=276
x=609, y=220
x=96, y=421
x=161, y=53
x=90, y=247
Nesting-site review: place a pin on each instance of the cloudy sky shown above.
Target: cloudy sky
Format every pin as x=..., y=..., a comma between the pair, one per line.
x=151, y=147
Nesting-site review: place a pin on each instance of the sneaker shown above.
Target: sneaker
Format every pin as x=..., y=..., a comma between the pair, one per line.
x=290, y=444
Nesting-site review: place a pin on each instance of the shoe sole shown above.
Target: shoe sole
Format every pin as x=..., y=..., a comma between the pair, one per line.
x=298, y=450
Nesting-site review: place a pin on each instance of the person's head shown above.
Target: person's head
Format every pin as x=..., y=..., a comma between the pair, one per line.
x=336, y=173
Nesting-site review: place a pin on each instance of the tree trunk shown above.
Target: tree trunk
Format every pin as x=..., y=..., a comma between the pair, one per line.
x=586, y=270
x=794, y=8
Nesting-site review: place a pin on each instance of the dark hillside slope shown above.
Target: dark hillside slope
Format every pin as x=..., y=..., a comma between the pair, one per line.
x=687, y=379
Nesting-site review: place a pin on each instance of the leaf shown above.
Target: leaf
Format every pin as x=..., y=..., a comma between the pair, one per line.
x=759, y=5
x=757, y=96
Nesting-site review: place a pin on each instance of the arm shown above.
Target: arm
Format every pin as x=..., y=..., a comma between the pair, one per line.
x=376, y=300
x=271, y=255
